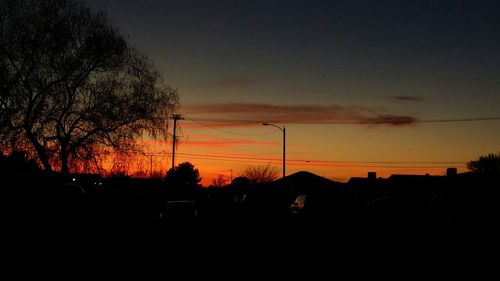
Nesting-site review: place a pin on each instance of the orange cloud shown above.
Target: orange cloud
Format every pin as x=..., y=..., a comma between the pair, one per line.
x=224, y=143
x=203, y=140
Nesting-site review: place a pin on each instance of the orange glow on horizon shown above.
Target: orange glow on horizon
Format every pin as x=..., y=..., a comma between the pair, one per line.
x=210, y=168
x=316, y=149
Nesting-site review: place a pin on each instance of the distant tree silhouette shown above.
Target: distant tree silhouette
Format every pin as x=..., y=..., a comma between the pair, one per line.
x=72, y=86
x=220, y=181
x=488, y=165
x=261, y=174
x=16, y=164
x=184, y=177
x=120, y=174
x=240, y=181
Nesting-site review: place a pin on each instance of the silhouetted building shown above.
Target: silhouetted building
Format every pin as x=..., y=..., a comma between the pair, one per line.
x=451, y=172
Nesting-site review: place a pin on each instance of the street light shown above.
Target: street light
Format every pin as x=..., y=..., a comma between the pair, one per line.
x=284, y=138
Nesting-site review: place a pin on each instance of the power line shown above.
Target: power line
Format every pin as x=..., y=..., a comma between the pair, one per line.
x=475, y=119
x=225, y=120
x=225, y=131
x=297, y=161
x=312, y=164
x=345, y=122
x=305, y=161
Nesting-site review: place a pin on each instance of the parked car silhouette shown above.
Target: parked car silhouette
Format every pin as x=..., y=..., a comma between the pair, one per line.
x=179, y=216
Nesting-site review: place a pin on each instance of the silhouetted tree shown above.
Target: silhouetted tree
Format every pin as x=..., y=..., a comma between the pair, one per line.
x=71, y=85
x=261, y=174
x=488, y=165
x=184, y=177
x=16, y=165
x=240, y=181
x=220, y=181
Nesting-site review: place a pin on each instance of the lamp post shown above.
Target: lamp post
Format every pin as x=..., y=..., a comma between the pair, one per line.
x=284, y=139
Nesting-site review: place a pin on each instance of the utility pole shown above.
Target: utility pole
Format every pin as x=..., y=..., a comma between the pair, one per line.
x=175, y=117
x=284, y=161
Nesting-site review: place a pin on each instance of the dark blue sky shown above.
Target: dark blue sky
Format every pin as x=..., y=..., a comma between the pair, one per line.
x=350, y=50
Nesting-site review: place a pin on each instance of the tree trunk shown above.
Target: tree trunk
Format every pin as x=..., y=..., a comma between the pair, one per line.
x=42, y=154
x=64, y=163
x=45, y=161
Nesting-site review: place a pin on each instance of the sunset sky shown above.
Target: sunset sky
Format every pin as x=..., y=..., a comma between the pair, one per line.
x=361, y=86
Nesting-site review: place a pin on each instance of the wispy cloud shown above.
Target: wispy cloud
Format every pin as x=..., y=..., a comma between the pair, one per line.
x=200, y=140
x=393, y=120
x=226, y=143
x=245, y=114
x=405, y=98
x=230, y=83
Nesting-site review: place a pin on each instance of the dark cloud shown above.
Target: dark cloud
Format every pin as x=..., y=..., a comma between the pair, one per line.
x=393, y=120
x=245, y=114
x=230, y=83
x=403, y=98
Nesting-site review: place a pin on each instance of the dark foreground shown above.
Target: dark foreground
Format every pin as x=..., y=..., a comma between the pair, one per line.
x=132, y=215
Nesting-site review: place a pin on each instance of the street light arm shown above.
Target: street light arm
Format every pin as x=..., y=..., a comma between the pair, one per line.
x=270, y=124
